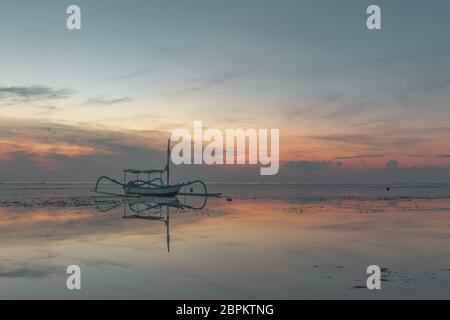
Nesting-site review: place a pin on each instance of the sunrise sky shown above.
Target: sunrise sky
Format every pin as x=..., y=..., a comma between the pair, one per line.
x=351, y=104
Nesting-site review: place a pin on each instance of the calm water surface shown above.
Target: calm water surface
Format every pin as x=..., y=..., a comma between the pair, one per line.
x=270, y=241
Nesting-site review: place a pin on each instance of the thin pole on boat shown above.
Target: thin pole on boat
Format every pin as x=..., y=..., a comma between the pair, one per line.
x=168, y=160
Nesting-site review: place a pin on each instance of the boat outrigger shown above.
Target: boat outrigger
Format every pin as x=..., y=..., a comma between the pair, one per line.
x=154, y=185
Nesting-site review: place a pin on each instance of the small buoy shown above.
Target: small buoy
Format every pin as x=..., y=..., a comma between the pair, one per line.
x=229, y=199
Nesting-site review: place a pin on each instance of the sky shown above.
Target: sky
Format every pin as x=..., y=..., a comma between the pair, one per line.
x=351, y=104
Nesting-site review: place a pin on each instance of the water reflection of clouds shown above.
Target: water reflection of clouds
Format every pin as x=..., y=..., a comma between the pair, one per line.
x=28, y=270
x=244, y=248
x=55, y=223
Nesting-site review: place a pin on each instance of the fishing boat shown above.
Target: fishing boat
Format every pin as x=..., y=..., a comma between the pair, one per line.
x=153, y=185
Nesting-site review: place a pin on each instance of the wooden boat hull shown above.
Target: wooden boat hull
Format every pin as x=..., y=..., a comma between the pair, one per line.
x=166, y=191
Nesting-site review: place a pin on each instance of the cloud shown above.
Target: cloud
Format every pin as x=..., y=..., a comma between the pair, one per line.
x=41, y=150
x=361, y=156
x=45, y=151
x=47, y=109
x=436, y=156
x=308, y=165
x=380, y=141
x=105, y=101
x=217, y=78
x=392, y=164
x=39, y=93
x=424, y=53
x=437, y=85
x=230, y=120
x=346, y=138
x=28, y=93
x=393, y=172
x=133, y=74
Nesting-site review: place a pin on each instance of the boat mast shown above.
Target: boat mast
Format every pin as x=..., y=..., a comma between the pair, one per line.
x=167, y=164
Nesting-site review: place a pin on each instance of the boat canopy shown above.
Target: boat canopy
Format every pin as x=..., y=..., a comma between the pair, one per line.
x=135, y=171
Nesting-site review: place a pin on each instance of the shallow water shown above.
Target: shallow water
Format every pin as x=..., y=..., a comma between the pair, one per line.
x=269, y=242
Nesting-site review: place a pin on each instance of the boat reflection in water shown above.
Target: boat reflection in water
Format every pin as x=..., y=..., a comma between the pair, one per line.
x=155, y=209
